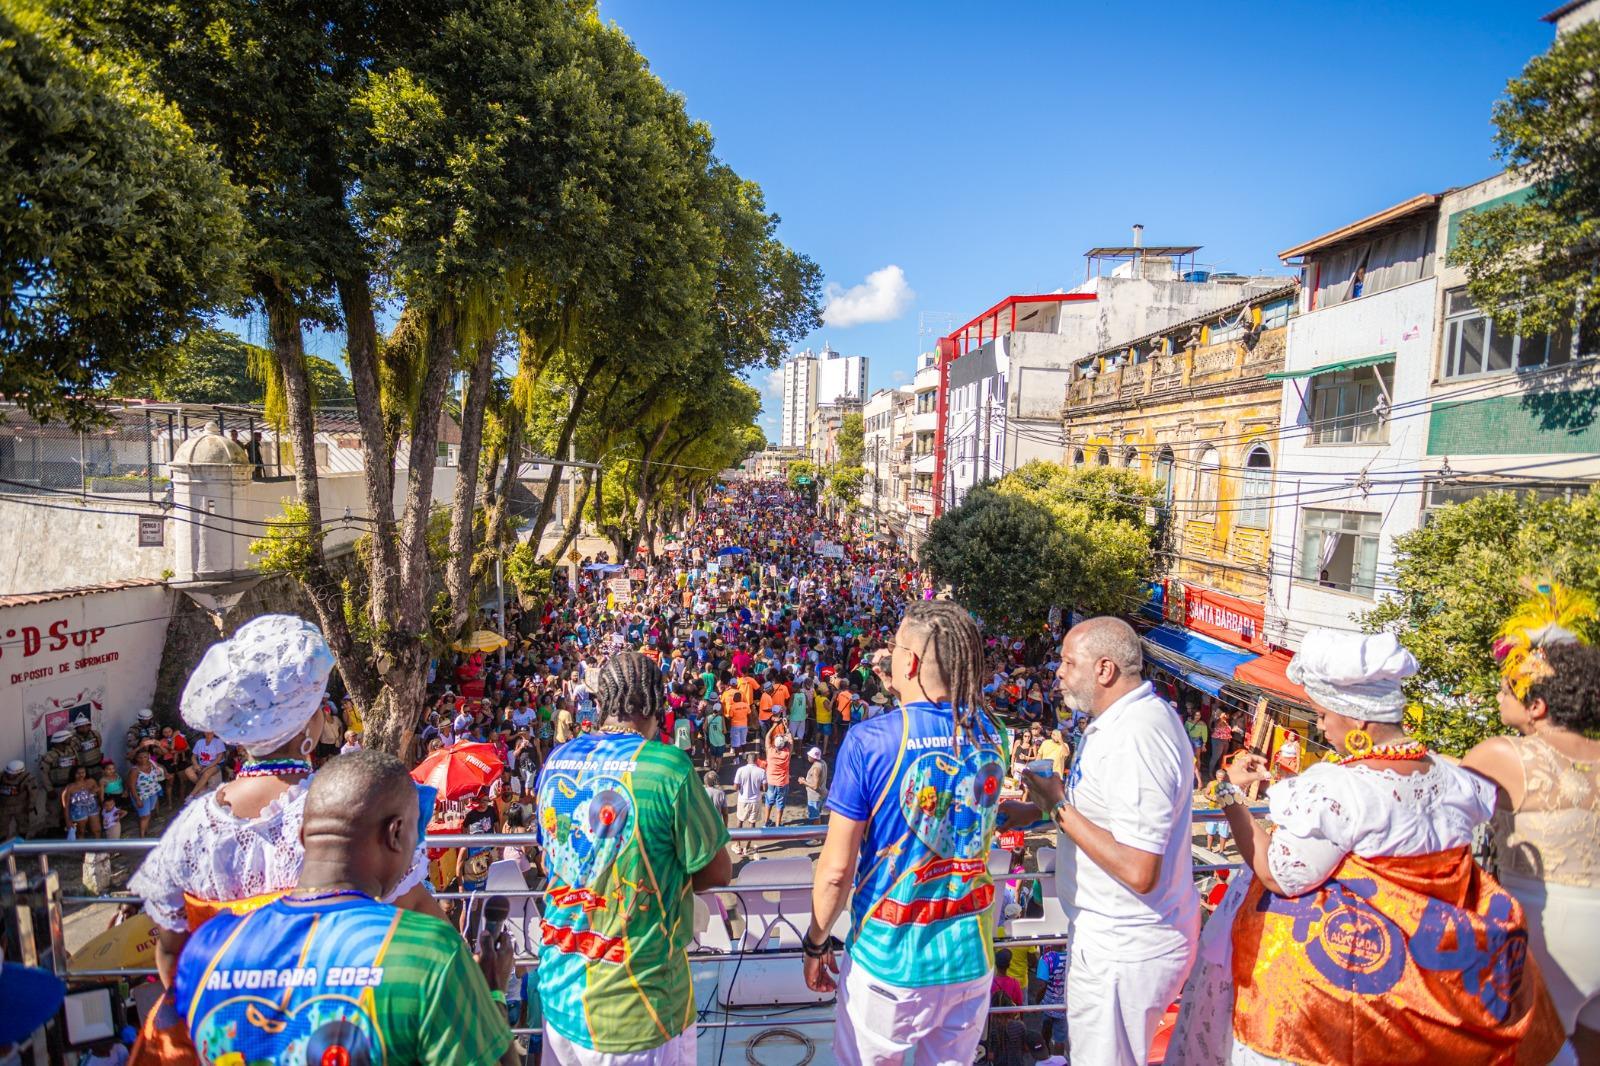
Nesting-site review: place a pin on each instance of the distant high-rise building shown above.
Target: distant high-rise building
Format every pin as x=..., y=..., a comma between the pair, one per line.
x=810, y=379
x=799, y=398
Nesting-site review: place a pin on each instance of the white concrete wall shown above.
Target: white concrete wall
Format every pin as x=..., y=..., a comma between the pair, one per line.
x=1398, y=320
x=100, y=650
x=75, y=542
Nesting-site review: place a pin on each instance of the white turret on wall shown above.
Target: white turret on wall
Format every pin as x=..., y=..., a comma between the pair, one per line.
x=210, y=474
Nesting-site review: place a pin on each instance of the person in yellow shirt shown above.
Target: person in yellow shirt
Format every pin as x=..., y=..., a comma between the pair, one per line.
x=352, y=717
x=824, y=707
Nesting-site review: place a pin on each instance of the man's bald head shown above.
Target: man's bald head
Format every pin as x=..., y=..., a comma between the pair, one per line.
x=1101, y=661
x=360, y=818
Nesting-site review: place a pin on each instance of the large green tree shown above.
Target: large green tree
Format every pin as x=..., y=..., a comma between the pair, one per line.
x=1047, y=535
x=1458, y=578
x=119, y=230
x=1534, y=265
x=213, y=366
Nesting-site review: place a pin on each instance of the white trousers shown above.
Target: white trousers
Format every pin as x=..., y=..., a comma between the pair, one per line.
x=1113, y=1007
x=679, y=1051
x=880, y=1023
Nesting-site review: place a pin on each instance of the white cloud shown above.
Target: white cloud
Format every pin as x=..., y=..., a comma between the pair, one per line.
x=772, y=384
x=883, y=297
x=899, y=377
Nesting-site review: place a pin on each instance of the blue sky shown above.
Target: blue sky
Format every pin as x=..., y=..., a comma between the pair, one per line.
x=981, y=148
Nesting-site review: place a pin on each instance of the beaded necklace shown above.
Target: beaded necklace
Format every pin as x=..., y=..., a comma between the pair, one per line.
x=1403, y=751
x=274, y=768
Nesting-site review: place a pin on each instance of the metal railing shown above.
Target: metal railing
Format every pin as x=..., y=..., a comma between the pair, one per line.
x=18, y=886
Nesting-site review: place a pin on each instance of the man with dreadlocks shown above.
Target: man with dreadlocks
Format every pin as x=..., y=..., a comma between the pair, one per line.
x=912, y=817
x=629, y=834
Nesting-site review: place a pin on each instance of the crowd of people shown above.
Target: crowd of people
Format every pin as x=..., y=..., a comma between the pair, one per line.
x=770, y=669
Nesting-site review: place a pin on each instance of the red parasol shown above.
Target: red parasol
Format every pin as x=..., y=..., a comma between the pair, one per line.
x=459, y=770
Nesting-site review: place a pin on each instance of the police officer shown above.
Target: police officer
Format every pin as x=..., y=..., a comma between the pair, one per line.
x=16, y=799
x=91, y=749
x=59, y=761
x=142, y=730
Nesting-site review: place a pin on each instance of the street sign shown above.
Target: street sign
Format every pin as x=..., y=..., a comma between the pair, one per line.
x=574, y=557
x=151, y=531
x=802, y=480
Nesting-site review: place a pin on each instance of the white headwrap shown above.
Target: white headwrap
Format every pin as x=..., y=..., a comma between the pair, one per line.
x=1354, y=675
x=260, y=688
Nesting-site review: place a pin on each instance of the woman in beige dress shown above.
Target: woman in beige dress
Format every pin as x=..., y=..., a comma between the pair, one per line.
x=1547, y=826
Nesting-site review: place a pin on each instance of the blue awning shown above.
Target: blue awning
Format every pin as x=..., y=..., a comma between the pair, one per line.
x=1155, y=605
x=1204, y=663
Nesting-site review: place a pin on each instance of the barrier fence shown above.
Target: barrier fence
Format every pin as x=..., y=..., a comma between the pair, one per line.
x=24, y=894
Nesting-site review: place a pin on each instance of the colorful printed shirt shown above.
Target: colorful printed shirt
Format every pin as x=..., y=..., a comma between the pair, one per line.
x=345, y=980
x=921, y=909
x=624, y=824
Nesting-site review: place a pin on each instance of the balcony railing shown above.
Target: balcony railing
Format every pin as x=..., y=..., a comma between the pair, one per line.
x=24, y=893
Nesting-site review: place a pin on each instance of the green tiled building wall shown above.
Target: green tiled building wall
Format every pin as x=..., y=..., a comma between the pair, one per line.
x=1517, y=425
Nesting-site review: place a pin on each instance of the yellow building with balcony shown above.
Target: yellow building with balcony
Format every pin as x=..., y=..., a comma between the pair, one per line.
x=1191, y=408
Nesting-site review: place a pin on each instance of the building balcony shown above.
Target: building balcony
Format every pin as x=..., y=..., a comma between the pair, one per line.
x=1214, y=364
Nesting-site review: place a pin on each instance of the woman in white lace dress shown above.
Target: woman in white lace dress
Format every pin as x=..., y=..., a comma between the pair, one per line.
x=1547, y=830
x=1360, y=930
x=239, y=846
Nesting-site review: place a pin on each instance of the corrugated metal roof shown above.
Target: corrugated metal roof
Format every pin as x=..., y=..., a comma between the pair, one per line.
x=28, y=599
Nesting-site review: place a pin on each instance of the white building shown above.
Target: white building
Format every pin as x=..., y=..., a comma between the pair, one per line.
x=840, y=377
x=1357, y=372
x=921, y=460
x=813, y=378
x=799, y=399
x=879, y=440
x=1007, y=370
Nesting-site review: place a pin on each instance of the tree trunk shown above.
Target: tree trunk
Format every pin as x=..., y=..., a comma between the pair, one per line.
x=355, y=299
x=326, y=593
x=494, y=527
x=458, y=572
x=392, y=717
x=552, y=488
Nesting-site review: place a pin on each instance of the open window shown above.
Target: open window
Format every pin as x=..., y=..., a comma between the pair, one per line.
x=1102, y=458
x=1164, y=472
x=1205, y=483
x=1339, y=550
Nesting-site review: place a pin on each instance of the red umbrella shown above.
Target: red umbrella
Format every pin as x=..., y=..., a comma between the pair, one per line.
x=459, y=770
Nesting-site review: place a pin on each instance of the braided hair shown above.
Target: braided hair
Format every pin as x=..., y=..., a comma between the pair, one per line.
x=630, y=687
x=957, y=647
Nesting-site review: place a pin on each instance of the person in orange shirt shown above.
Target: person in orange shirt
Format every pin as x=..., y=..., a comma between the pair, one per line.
x=736, y=705
x=781, y=694
x=765, y=706
x=842, y=701
x=749, y=687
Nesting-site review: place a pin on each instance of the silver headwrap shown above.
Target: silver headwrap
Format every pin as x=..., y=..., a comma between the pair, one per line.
x=1353, y=674
x=259, y=688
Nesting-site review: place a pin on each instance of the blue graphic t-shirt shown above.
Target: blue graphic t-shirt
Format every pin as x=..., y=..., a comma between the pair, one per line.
x=922, y=904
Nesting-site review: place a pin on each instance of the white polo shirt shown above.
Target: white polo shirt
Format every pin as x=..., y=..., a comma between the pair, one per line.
x=1132, y=775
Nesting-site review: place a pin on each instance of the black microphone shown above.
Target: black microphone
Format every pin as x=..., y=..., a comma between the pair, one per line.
x=496, y=909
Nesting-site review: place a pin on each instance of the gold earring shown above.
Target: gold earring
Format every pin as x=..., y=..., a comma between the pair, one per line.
x=1358, y=742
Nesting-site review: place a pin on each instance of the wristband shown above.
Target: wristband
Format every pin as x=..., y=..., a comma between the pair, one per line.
x=816, y=951
x=498, y=996
x=1231, y=794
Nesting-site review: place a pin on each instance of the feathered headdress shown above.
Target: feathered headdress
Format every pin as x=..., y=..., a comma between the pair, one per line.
x=1553, y=614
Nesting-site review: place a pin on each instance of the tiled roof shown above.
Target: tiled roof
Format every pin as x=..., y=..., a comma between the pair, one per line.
x=28, y=599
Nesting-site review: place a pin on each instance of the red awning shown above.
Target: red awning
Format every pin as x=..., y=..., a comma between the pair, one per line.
x=1268, y=672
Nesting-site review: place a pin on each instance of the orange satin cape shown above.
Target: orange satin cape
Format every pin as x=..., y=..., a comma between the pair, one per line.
x=163, y=1037
x=1416, y=959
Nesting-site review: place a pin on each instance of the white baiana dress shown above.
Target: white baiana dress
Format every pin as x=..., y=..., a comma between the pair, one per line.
x=1322, y=815
x=212, y=854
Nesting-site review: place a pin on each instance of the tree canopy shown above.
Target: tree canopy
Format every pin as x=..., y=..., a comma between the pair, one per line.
x=213, y=366
x=1534, y=265
x=1047, y=535
x=1458, y=578
x=119, y=229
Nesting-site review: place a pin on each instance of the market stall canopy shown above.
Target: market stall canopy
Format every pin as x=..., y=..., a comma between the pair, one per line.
x=482, y=640
x=1268, y=672
x=1202, y=662
x=730, y=550
x=604, y=568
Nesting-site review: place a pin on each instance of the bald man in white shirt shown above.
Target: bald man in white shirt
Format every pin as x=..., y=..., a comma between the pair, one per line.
x=1124, y=868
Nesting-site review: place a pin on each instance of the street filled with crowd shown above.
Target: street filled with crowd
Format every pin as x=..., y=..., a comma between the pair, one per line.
x=772, y=667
